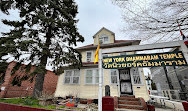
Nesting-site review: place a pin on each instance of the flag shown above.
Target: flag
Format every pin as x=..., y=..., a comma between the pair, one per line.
x=97, y=54
x=183, y=36
x=185, y=39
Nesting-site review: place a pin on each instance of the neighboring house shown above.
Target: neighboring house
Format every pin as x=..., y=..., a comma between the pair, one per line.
x=175, y=78
x=159, y=78
x=83, y=82
x=26, y=88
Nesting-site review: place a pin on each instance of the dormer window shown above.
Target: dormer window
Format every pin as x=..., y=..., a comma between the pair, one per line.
x=103, y=39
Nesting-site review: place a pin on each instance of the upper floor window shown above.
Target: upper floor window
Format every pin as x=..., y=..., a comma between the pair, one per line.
x=88, y=56
x=103, y=39
x=72, y=77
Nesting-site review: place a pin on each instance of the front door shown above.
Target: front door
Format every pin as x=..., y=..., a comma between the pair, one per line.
x=125, y=81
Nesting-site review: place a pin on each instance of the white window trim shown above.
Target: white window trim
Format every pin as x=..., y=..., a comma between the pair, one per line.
x=117, y=77
x=132, y=79
x=93, y=80
x=102, y=36
x=106, y=41
x=91, y=56
x=71, y=77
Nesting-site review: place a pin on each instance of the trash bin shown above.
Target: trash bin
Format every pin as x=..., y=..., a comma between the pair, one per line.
x=107, y=103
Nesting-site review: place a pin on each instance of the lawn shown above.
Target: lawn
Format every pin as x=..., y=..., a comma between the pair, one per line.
x=28, y=101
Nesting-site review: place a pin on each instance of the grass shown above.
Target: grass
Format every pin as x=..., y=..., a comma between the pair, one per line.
x=28, y=101
x=62, y=107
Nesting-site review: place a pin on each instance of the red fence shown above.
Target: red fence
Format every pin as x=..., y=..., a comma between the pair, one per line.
x=12, y=107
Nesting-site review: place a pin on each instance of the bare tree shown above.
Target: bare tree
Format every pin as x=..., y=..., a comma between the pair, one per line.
x=155, y=20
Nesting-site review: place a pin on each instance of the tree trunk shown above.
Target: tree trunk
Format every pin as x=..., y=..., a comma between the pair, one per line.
x=39, y=80
x=38, y=88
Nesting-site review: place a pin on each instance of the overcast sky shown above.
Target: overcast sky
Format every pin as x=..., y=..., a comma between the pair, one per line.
x=95, y=14
x=92, y=15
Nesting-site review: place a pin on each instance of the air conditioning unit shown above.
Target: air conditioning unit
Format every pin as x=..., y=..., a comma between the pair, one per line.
x=171, y=94
x=88, y=59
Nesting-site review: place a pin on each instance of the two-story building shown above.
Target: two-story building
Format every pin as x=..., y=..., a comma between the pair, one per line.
x=83, y=82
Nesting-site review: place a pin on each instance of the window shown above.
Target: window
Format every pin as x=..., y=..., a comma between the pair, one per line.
x=136, y=76
x=72, y=77
x=113, y=76
x=92, y=76
x=100, y=40
x=88, y=56
x=103, y=39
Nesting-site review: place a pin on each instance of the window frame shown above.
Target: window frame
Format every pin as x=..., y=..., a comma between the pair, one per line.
x=93, y=76
x=139, y=74
x=102, y=38
x=91, y=56
x=71, y=77
x=117, y=72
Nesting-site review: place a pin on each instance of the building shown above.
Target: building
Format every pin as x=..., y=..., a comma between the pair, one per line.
x=83, y=82
x=171, y=78
x=26, y=88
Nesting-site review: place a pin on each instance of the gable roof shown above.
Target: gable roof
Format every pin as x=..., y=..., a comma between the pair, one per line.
x=104, y=29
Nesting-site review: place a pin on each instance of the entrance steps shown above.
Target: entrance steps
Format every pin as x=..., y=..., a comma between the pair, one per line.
x=129, y=103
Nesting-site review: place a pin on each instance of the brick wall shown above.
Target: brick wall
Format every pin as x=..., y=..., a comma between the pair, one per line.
x=26, y=88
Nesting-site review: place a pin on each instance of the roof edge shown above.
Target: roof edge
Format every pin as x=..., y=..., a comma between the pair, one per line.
x=101, y=30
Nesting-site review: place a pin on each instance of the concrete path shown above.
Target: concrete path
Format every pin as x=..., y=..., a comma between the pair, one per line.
x=163, y=109
x=156, y=109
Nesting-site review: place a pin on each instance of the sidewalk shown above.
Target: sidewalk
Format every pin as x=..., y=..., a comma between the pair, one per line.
x=163, y=109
